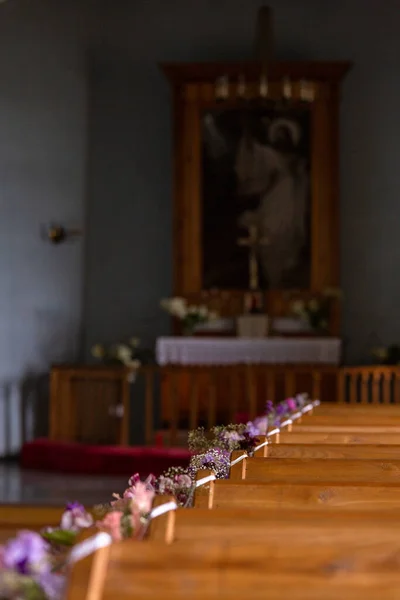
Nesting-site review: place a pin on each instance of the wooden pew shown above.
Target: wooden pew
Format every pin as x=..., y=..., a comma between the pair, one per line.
x=311, y=427
x=313, y=496
x=298, y=470
x=350, y=419
x=328, y=451
x=294, y=532
x=335, y=437
x=13, y=518
x=219, y=569
x=343, y=409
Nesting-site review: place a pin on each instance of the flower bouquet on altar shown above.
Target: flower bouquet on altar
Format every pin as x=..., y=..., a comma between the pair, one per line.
x=128, y=354
x=316, y=312
x=190, y=315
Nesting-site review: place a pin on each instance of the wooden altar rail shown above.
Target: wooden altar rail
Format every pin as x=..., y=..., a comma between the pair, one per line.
x=93, y=404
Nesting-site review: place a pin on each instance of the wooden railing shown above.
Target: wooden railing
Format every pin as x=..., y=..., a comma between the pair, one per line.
x=92, y=404
x=375, y=384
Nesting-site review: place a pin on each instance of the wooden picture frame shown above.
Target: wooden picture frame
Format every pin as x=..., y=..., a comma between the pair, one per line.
x=193, y=89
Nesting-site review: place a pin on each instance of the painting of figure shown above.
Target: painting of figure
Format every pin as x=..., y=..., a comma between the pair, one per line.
x=256, y=173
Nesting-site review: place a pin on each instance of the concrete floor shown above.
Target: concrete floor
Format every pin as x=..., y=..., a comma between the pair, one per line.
x=19, y=486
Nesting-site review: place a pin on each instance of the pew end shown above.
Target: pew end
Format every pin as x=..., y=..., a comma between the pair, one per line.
x=204, y=491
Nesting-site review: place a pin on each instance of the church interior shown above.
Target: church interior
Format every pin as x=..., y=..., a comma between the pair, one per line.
x=195, y=200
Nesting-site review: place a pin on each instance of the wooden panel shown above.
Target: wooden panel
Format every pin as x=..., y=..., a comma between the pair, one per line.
x=89, y=404
x=307, y=470
x=331, y=451
x=14, y=518
x=340, y=438
x=218, y=569
x=300, y=496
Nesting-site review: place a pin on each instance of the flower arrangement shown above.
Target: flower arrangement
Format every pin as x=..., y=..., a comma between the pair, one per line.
x=32, y=565
x=190, y=315
x=316, y=311
x=127, y=353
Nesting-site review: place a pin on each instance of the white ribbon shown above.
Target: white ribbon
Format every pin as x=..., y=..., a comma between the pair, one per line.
x=296, y=416
x=261, y=445
x=163, y=508
x=273, y=432
x=307, y=408
x=87, y=547
x=287, y=422
x=239, y=459
x=204, y=480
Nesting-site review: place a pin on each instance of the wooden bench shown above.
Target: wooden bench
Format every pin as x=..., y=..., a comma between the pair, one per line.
x=357, y=420
x=308, y=522
x=315, y=496
x=336, y=437
x=219, y=569
x=318, y=469
x=16, y=517
x=328, y=451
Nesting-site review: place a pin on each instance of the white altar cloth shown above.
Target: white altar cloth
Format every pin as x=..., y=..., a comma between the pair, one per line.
x=226, y=351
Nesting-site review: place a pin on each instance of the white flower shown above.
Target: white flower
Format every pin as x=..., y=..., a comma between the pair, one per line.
x=298, y=308
x=177, y=307
x=123, y=353
x=98, y=351
x=313, y=305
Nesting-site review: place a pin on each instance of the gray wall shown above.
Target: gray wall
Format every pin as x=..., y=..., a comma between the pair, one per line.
x=44, y=163
x=42, y=169
x=130, y=151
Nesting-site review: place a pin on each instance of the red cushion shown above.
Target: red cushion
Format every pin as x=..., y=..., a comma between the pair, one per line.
x=67, y=457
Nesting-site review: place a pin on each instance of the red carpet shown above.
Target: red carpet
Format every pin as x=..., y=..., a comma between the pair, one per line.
x=46, y=455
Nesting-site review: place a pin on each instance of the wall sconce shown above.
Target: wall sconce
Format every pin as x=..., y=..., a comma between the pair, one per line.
x=57, y=234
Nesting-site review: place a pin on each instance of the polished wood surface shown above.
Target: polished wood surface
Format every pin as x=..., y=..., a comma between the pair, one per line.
x=305, y=522
x=297, y=470
x=16, y=517
x=328, y=451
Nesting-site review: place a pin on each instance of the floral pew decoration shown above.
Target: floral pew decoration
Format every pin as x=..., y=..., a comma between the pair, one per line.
x=213, y=451
x=33, y=566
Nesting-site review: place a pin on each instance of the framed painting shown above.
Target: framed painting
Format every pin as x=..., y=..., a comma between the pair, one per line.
x=266, y=164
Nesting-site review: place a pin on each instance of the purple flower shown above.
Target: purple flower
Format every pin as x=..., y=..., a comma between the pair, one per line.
x=277, y=422
x=27, y=554
x=52, y=585
x=269, y=406
x=281, y=409
x=251, y=429
x=216, y=459
x=291, y=404
x=75, y=518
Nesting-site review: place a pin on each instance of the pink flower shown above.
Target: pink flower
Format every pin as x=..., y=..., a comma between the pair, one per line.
x=112, y=524
x=139, y=496
x=291, y=404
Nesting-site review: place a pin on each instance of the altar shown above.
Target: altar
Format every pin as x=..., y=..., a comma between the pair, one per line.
x=231, y=351
x=208, y=380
